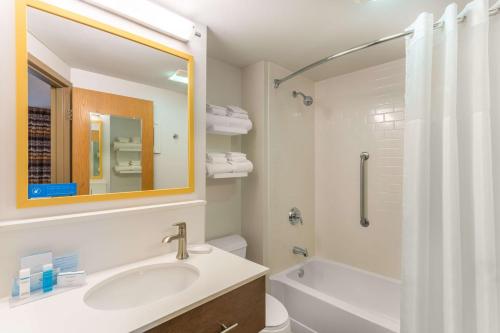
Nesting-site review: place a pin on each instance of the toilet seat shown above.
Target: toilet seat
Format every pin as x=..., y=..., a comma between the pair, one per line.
x=277, y=320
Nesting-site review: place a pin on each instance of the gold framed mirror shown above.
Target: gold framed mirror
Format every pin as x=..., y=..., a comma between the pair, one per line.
x=101, y=112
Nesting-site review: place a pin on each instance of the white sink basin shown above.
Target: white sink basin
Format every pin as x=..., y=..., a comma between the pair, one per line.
x=141, y=286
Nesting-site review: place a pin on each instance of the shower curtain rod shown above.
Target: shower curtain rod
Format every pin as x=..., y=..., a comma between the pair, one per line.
x=277, y=82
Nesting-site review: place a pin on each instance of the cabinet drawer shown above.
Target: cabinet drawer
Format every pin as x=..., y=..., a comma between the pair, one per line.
x=245, y=305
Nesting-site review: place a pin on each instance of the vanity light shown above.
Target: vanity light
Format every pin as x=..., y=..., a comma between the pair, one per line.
x=150, y=15
x=180, y=75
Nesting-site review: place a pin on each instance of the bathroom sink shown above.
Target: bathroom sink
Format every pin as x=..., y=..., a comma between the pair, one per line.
x=141, y=286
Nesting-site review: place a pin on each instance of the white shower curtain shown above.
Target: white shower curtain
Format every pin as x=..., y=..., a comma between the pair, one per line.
x=451, y=201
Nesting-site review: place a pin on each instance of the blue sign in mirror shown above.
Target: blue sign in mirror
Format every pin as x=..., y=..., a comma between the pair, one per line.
x=51, y=190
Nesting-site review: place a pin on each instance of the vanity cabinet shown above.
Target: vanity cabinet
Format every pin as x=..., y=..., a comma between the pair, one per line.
x=244, y=306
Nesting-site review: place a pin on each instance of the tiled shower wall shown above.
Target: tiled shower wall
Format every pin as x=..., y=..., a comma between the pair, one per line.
x=357, y=112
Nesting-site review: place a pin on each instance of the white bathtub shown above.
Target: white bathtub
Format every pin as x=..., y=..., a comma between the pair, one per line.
x=336, y=298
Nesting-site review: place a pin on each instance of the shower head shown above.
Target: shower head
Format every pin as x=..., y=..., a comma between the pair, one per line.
x=308, y=100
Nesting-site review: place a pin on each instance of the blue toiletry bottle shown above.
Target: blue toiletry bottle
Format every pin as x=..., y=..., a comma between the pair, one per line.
x=47, y=278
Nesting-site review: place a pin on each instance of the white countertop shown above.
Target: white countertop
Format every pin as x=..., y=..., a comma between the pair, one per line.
x=220, y=272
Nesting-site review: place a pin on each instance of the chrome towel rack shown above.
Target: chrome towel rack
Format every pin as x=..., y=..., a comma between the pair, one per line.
x=362, y=189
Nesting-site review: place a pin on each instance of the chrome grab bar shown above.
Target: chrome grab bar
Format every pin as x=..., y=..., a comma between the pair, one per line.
x=363, y=220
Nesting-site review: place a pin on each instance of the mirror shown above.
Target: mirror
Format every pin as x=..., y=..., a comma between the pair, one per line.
x=108, y=114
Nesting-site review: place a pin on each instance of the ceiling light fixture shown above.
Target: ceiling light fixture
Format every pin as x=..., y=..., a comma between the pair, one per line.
x=180, y=75
x=150, y=15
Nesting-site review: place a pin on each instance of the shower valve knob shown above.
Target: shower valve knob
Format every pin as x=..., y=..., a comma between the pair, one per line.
x=295, y=216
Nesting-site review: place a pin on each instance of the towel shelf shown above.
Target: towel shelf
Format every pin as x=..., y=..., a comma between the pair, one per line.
x=229, y=175
x=129, y=171
x=122, y=170
x=226, y=130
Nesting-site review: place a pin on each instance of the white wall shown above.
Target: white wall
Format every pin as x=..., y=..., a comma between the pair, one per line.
x=360, y=111
x=107, y=237
x=170, y=112
x=255, y=194
x=291, y=169
x=282, y=149
x=223, y=195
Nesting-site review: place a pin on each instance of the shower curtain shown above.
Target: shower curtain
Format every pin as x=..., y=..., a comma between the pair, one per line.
x=451, y=200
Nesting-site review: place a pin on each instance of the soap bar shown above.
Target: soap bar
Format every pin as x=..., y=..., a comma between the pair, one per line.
x=200, y=248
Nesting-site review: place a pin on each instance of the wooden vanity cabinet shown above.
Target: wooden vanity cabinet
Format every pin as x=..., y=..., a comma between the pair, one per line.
x=245, y=305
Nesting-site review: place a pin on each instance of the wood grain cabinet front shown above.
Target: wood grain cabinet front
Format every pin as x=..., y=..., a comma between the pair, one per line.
x=242, y=310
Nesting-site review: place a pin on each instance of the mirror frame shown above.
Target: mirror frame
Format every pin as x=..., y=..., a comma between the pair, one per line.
x=22, y=7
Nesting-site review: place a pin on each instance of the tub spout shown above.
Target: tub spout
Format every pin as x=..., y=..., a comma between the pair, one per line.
x=300, y=251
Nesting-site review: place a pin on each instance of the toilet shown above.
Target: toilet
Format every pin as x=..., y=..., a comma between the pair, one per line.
x=277, y=320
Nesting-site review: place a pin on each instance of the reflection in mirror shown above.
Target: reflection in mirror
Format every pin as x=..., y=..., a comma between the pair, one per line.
x=95, y=147
x=106, y=114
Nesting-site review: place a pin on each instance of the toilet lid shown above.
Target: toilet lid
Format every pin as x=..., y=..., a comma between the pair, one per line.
x=276, y=313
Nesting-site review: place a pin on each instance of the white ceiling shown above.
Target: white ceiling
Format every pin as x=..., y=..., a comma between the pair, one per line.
x=83, y=47
x=295, y=33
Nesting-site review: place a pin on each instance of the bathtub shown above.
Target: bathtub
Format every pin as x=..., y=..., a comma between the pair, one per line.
x=328, y=297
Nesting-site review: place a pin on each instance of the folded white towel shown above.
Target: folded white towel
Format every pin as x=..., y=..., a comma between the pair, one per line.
x=215, y=120
x=213, y=106
x=224, y=121
x=238, y=115
x=236, y=109
x=211, y=155
x=240, y=123
x=217, y=110
x=236, y=159
x=216, y=160
x=246, y=166
x=235, y=154
x=213, y=168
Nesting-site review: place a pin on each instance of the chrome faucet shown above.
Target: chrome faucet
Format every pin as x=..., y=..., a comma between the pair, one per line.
x=300, y=251
x=182, y=252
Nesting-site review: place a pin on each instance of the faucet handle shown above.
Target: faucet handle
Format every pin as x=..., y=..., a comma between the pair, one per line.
x=181, y=225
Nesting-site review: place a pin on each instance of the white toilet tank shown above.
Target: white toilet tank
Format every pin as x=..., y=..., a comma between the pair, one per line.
x=277, y=320
x=233, y=243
